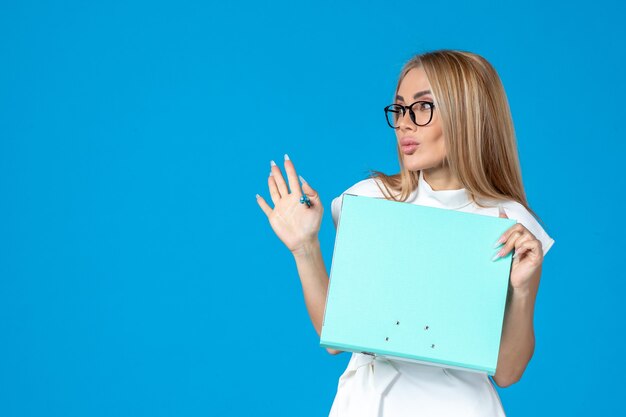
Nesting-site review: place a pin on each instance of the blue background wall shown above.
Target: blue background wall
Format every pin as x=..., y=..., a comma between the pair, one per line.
x=138, y=276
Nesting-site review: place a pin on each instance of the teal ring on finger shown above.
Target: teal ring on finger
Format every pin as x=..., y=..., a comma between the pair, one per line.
x=305, y=200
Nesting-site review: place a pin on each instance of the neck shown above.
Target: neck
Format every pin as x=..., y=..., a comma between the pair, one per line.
x=440, y=178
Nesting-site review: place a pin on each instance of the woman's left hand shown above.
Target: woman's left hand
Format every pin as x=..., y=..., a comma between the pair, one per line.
x=528, y=254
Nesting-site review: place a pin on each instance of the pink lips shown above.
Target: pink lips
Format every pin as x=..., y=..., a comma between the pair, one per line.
x=408, y=145
x=408, y=141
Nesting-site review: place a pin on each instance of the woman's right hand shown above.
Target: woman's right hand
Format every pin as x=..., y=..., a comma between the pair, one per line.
x=295, y=224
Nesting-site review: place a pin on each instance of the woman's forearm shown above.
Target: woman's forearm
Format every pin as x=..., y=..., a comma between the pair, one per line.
x=314, y=279
x=518, y=337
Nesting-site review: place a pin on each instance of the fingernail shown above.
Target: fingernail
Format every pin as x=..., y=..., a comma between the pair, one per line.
x=301, y=179
x=272, y=163
x=270, y=173
x=498, y=243
x=286, y=157
x=257, y=196
x=515, y=256
x=497, y=256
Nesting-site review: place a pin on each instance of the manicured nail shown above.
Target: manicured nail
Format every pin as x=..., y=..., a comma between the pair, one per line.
x=272, y=163
x=515, y=256
x=257, y=196
x=270, y=173
x=497, y=256
x=301, y=179
x=498, y=243
x=286, y=157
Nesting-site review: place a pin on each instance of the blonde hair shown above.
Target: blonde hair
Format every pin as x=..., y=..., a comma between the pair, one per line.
x=481, y=149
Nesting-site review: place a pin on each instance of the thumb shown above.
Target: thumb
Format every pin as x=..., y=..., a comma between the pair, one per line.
x=502, y=212
x=310, y=192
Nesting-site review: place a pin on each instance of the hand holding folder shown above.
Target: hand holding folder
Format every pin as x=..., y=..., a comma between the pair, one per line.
x=417, y=283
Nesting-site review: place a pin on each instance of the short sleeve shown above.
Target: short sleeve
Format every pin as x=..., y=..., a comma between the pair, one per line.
x=366, y=187
x=517, y=211
x=335, y=208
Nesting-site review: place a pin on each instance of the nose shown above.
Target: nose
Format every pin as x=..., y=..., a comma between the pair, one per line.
x=405, y=122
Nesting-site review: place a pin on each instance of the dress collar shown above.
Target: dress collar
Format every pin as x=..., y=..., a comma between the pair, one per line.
x=450, y=199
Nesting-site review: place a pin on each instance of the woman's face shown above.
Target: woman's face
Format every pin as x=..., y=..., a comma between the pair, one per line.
x=430, y=150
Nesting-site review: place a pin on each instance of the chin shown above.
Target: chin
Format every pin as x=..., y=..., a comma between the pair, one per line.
x=419, y=164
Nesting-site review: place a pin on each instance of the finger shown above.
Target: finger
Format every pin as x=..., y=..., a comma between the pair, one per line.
x=274, y=193
x=524, y=238
x=531, y=245
x=509, y=244
x=518, y=227
x=515, y=228
x=294, y=184
x=310, y=192
x=280, y=181
x=264, y=206
x=515, y=240
x=520, y=240
x=520, y=251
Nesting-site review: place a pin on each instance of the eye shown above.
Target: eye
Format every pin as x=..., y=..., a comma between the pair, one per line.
x=425, y=105
x=396, y=108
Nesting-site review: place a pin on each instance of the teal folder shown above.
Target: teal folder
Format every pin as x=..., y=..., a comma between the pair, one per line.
x=417, y=283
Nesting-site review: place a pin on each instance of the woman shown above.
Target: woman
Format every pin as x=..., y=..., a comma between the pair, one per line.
x=457, y=150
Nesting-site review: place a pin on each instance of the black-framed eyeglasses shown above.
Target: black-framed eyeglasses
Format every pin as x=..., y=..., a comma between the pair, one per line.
x=420, y=115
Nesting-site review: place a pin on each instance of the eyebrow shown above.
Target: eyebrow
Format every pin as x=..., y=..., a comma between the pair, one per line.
x=416, y=96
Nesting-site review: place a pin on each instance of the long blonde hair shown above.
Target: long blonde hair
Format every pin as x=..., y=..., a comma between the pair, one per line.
x=481, y=149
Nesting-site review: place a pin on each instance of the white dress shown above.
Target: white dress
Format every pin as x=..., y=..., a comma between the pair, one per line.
x=382, y=387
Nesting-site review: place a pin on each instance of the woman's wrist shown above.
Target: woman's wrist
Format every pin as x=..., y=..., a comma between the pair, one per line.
x=307, y=248
x=522, y=293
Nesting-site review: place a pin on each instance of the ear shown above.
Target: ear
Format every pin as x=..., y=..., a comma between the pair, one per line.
x=502, y=212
